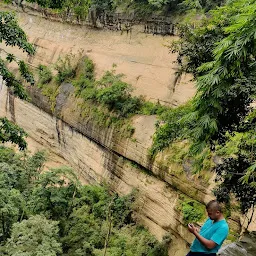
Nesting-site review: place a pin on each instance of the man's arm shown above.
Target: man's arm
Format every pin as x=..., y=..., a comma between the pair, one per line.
x=209, y=244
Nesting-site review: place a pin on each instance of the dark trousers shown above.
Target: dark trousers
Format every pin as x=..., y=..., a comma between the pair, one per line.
x=200, y=254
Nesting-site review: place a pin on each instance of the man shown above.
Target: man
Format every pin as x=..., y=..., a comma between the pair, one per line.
x=212, y=234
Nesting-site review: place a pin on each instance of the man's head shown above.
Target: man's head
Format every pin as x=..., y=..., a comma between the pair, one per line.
x=214, y=210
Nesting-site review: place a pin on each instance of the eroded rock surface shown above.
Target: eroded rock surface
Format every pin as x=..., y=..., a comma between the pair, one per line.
x=99, y=154
x=245, y=247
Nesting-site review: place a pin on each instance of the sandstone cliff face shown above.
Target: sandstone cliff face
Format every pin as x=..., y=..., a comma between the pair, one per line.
x=96, y=162
x=100, y=155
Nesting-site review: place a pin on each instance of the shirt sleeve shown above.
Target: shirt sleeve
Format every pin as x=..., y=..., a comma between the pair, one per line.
x=220, y=235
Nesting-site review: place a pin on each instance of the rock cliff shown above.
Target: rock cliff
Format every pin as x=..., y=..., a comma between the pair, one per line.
x=100, y=154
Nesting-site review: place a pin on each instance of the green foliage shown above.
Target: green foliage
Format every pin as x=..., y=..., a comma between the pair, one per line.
x=226, y=87
x=231, y=172
x=225, y=90
x=11, y=205
x=231, y=147
x=51, y=90
x=85, y=79
x=194, y=44
x=159, y=3
x=55, y=4
x=45, y=75
x=80, y=8
x=66, y=68
x=178, y=152
x=200, y=4
x=12, y=35
x=170, y=128
x=150, y=108
x=123, y=241
x=115, y=94
x=140, y=8
x=108, y=101
x=35, y=236
x=102, y=5
x=192, y=210
x=10, y=132
x=47, y=212
x=225, y=82
x=237, y=171
x=88, y=69
x=51, y=196
x=16, y=179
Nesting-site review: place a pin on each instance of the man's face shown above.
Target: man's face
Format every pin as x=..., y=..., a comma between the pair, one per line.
x=213, y=214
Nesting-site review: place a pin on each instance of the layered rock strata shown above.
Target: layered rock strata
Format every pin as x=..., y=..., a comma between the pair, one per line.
x=100, y=155
x=104, y=155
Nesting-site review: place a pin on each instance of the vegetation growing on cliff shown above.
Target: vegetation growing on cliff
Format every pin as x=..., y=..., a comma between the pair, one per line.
x=50, y=212
x=12, y=35
x=108, y=100
x=192, y=211
x=221, y=114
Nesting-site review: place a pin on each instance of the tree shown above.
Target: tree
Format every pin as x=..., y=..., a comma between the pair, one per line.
x=53, y=193
x=12, y=35
x=10, y=132
x=54, y=4
x=201, y=4
x=159, y=3
x=225, y=85
x=11, y=210
x=225, y=89
x=18, y=173
x=36, y=236
x=79, y=213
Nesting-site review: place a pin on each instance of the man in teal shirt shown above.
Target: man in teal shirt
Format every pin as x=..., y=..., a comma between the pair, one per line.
x=212, y=234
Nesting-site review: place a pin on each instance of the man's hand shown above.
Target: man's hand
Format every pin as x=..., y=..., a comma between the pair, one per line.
x=209, y=244
x=192, y=228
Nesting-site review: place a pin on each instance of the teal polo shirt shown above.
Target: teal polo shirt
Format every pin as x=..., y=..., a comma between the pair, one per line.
x=215, y=231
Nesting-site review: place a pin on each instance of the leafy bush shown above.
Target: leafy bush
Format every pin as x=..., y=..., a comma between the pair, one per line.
x=34, y=236
x=45, y=75
x=150, y=108
x=199, y=4
x=225, y=83
x=85, y=79
x=66, y=68
x=170, y=127
x=192, y=211
x=116, y=94
x=86, y=69
x=10, y=132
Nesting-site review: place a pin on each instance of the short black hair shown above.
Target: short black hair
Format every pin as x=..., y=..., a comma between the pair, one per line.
x=215, y=205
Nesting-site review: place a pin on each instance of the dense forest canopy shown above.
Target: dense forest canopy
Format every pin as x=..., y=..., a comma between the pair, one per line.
x=51, y=212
